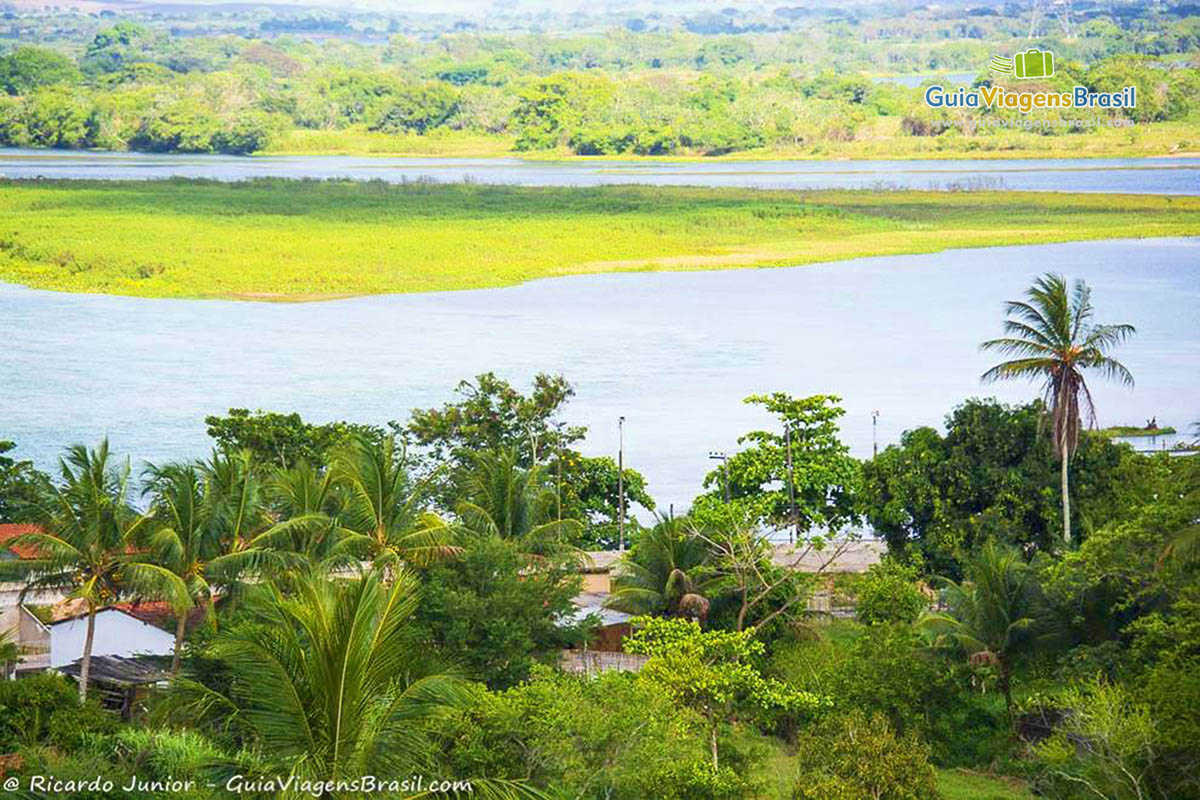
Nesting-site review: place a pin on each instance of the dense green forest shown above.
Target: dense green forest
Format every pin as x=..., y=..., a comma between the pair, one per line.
x=673, y=86
x=391, y=601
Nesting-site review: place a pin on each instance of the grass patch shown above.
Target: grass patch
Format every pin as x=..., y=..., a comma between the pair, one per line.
x=1135, y=430
x=957, y=784
x=878, y=138
x=303, y=240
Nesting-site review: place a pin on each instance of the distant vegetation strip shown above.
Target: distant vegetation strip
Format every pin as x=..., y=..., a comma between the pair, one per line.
x=306, y=240
x=1134, y=430
x=881, y=138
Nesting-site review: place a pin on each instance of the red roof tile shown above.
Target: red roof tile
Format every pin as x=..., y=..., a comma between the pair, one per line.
x=158, y=613
x=10, y=531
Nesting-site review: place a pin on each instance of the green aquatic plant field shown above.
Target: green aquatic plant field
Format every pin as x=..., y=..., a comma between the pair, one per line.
x=306, y=240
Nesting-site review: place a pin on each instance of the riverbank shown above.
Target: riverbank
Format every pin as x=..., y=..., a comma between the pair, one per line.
x=309, y=240
x=880, y=139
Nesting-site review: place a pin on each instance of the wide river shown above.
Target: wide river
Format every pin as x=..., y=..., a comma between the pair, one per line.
x=675, y=353
x=1140, y=175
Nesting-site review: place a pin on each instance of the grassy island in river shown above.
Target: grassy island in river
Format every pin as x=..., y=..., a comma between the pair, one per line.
x=304, y=240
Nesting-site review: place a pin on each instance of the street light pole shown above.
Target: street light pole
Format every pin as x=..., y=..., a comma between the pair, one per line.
x=794, y=534
x=874, y=428
x=621, y=483
x=724, y=459
x=558, y=429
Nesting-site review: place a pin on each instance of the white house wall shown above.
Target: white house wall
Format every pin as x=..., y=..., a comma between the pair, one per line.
x=117, y=634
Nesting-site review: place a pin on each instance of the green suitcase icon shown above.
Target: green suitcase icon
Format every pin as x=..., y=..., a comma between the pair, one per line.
x=1033, y=64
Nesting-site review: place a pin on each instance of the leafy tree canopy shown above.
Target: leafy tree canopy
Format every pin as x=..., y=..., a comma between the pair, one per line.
x=822, y=474
x=992, y=475
x=283, y=439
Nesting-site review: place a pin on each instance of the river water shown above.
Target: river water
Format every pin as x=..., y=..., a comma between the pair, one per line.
x=1137, y=175
x=675, y=353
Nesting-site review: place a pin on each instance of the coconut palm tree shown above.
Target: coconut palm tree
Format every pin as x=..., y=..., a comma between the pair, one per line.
x=994, y=615
x=502, y=498
x=384, y=517
x=1052, y=338
x=86, y=542
x=330, y=682
x=185, y=538
x=237, y=495
x=307, y=505
x=664, y=573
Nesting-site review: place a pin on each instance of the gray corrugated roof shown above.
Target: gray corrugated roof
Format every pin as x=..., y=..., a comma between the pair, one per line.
x=836, y=556
x=590, y=603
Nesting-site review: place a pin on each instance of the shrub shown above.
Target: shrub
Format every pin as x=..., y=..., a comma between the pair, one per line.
x=612, y=737
x=1106, y=744
x=168, y=755
x=889, y=593
x=855, y=756
x=1172, y=692
x=250, y=133
x=45, y=708
x=885, y=669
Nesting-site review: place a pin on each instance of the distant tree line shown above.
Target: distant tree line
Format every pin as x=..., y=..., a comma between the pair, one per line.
x=138, y=88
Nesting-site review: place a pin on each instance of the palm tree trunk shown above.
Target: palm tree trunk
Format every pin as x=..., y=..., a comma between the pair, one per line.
x=180, y=633
x=1066, y=494
x=713, y=742
x=1006, y=687
x=85, y=665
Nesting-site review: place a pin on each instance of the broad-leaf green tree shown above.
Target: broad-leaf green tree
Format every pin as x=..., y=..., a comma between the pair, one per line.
x=798, y=476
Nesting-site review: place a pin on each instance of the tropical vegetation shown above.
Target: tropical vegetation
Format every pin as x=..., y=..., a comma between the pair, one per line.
x=393, y=601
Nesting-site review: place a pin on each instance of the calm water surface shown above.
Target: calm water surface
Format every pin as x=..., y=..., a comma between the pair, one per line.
x=943, y=78
x=1137, y=175
x=673, y=352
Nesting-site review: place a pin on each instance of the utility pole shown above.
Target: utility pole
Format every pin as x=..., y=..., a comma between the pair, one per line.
x=874, y=430
x=724, y=459
x=794, y=534
x=558, y=429
x=621, y=483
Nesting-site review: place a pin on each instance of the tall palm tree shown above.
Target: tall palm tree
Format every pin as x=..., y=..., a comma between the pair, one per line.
x=664, y=573
x=185, y=538
x=1052, y=338
x=86, y=542
x=502, y=498
x=384, y=517
x=994, y=615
